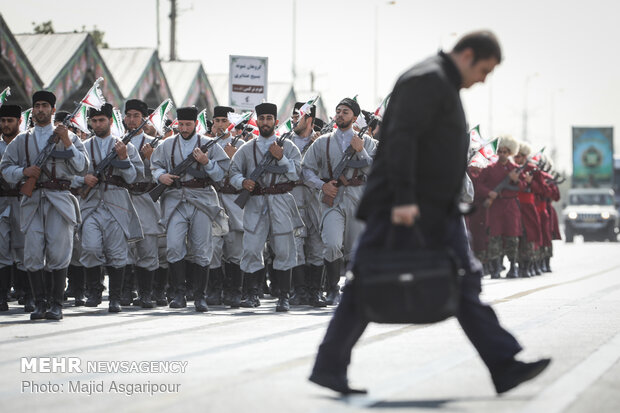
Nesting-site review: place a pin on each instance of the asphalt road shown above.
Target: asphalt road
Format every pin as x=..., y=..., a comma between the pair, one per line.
x=258, y=361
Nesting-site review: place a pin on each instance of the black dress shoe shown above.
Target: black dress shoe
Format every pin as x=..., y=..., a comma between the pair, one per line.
x=334, y=382
x=518, y=372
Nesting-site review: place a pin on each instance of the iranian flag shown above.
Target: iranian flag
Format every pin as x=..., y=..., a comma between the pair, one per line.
x=202, y=127
x=538, y=155
x=25, y=120
x=237, y=118
x=5, y=94
x=285, y=127
x=307, y=107
x=360, y=122
x=158, y=117
x=479, y=161
x=381, y=109
x=79, y=120
x=117, y=123
x=94, y=98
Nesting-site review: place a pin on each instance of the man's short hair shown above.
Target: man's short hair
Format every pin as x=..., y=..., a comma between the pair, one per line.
x=483, y=43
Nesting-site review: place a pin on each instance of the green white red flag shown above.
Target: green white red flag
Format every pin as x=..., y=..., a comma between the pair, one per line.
x=25, y=120
x=202, y=127
x=307, y=107
x=158, y=117
x=117, y=124
x=237, y=118
x=80, y=119
x=538, y=155
x=381, y=109
x=285, y=127
x=360, y=122
x=4, y=95
x=94, y=98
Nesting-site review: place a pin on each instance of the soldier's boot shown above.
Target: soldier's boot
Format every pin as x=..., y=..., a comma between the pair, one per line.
x=332, y=271
x=5, y=282
x=284, y=281
x=262, y=286
x=78, y=286
x=523, y=269
x=216, y=280
x=159, y=286
x=115, y=290
x=315, y=297
x=235, y=278
x=145, y=287
x=177, y=282
x=274, y=288
x=70, y=291
x=536, y=267
x=200, y=280
x=58, y=279
x=513, y=272
x=28, y=299
x=547, y=267
x=251, y=281
x=126, y=298
x=39, y=294
x=93, y=286
x=300, y=295
x=495, y=268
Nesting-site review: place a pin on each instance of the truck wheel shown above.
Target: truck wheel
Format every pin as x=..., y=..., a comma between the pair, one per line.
x=613, y=237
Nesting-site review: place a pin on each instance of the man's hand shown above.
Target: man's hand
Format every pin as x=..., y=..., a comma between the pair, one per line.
x=147, y=150
x=330, y=189
x=405, y=215
x=357, y=143
x=200, y=156
x=493, y=194
x=90, y=180
x=315, y=136
x=514, y=176
x=230, y=150
x=121, y=150
x=167, y=179
x=276, y=150
x=528, y=178
x=32, y=172
x=248, y=184
x=63, y=133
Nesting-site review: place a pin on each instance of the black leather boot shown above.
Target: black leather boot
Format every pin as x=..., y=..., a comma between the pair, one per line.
x=315, y=294
x=332, y=271
x=262, y=284
x=39, y=294
x=70, y=291
x=284, y=281
x=115, y=284
x=537, y=267
x=251, y=281
x=127, y=296
x=513, y=272
x=177, y=282
x=300, y=295
x=523, y=269
x=216, y=281
x=159, y=286
x=274, y=289
x=145, y=287
x=547, y=267
x=78, y=285
x=93, y=286
x=495, y=268
x=5, y=282
x=235, y=278
x=200, y=276
x=58, y=280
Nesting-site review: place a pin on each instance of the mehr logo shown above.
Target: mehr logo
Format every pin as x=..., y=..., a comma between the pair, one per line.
x=50, y=365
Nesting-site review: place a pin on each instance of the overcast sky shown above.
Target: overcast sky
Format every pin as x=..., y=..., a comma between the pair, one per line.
x=559, y=51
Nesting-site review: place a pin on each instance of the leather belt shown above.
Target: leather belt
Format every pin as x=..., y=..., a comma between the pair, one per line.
x=357, y=181
x=57, y=184
x=228, y=189
x=276, y=189
x=197, y=183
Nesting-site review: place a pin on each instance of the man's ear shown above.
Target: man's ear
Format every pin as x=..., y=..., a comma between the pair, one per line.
x=277, y=121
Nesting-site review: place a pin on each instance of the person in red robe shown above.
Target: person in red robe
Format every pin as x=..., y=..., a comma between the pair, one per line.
x=477, y=220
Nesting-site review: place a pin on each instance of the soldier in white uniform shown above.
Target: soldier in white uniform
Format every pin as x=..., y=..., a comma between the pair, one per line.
x=110, y=221
x=308, y=274
x=11, y=237
x=225, y=286
x=191, y=211
x=48, y=217
x=339, y=227
x=271, y=212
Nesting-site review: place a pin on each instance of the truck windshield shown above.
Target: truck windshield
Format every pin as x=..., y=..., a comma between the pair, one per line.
x=591, y=199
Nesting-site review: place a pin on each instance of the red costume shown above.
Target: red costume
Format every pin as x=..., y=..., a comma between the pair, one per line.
x=527, y=204
x=503, y=217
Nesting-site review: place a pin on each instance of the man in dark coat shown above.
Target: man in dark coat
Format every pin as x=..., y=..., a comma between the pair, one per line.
x=407, y=185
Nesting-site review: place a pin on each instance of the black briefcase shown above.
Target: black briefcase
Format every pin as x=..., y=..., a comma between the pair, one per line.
x=396, y=286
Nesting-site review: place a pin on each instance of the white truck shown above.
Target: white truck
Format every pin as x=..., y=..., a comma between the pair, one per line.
x=592, y=213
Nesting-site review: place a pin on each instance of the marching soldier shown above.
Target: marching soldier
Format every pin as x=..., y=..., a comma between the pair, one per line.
x=477, y=220
x=308, y=274
x=11, y=237
x=340, y=194
x=48, y=217
x=227, y=249
x=144, y=254
x=190, y=207
x=110, y=221
x=504, y=217
x=270, y=213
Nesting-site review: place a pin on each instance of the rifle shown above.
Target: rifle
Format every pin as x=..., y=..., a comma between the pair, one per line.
x=260, y=169
x=328, y=127
x=44, y=155
x=156, y=192
x=338, y=173
x=505, y=184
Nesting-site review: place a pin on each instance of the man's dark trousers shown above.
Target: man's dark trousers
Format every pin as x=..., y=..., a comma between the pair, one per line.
x=495, y=345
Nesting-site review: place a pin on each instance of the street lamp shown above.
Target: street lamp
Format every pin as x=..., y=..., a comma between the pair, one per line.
x=376, y=44
x=552, y=124
x=525, y=89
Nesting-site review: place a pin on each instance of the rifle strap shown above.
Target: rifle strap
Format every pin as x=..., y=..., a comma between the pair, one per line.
x=329, y=162
x=27, y=152
x=273, y=176
x=174, y=145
